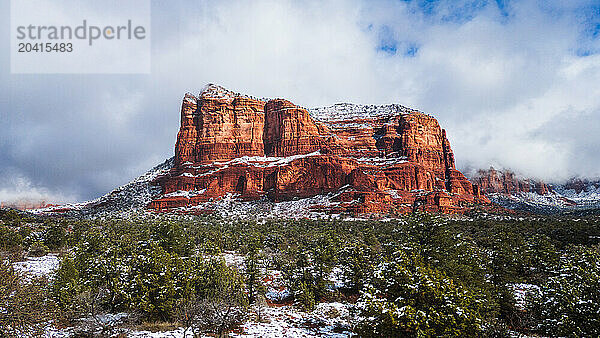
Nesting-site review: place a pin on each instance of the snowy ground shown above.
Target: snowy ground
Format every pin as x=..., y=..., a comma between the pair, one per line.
x=234, y=259
x=38, y=266
x=178, y=333
x=327, y=320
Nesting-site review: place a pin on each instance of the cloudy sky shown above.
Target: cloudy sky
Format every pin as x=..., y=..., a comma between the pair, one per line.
x=515, y=83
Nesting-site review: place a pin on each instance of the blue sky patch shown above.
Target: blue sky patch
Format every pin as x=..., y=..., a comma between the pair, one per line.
x=387, y=40
x=411, y=49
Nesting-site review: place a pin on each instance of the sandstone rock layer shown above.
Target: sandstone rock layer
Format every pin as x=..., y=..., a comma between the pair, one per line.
x=365, y=158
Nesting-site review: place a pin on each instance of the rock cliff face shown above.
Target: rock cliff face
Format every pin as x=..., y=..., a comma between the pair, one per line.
x=507, y=182
x=364, y=158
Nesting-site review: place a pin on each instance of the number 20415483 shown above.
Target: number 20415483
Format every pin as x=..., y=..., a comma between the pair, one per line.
x=47, y=47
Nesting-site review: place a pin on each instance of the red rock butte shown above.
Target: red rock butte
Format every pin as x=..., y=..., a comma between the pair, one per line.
x=367, y=159
x=494, y=181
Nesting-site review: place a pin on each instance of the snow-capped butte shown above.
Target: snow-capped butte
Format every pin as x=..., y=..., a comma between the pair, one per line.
x=385, y=157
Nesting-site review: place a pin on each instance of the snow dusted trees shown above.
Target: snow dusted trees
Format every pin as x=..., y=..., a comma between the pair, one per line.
x=357, y=263
x=142, y=270
x=569, y=302
x=414, y=276
x=411, y=299
x=254, y=264
x=308, y=268
x=216, y=302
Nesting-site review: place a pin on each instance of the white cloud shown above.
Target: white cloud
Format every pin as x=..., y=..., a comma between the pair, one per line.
x=19, y=189
x=495, y=82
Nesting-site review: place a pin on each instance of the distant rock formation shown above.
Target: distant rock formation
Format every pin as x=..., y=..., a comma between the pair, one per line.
x=580, y=185
x=507, y=182
x=516, y=192
x=368, y=158
x=25, y=204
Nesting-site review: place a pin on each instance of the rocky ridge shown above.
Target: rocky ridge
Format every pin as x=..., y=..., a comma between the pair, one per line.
x=513, y=191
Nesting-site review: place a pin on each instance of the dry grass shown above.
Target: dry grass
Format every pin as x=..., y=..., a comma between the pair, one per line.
x=157, y=326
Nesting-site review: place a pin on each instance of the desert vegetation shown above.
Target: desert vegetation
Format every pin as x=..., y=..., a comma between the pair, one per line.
x=418, y=275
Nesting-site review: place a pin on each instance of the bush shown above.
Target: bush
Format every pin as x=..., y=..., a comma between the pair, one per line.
x=10, y=216
x=65, y=286
x=220, y=298
x=37, y=249
x=144, y=269
x=10, y=239
x=357, y=263
x=55, y=237
x=252, y=274
x=152, y=283
x=172, y=238
x=305, y=296
x=26, y=301
x=308, y=268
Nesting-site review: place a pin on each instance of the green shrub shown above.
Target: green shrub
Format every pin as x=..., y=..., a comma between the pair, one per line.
x=55, y=237
x=308, y=267
x=357, y=263
x=37, y=249
x=305, y=296
x=171, y=236
x=252, y=273
x=65, y=285
x=10, y=239
x=11, y=217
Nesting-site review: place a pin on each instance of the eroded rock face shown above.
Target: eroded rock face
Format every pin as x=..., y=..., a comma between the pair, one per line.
x=216, y=129
x=507, y=182
x=367, y=158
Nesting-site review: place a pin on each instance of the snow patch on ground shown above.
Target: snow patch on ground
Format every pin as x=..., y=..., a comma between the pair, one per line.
x=38, y=266
x=178, y=333
x=234, y=259
x=327, y=320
